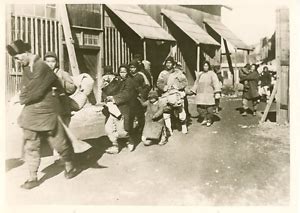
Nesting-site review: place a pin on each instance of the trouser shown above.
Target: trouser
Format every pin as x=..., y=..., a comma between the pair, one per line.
x=57, y=139
x=138, y=112
x=217, y=101
x=178, y=112
x=114, y=129
x=265, y=91
x=246, y=105
x=186, y=106
x=206, y=112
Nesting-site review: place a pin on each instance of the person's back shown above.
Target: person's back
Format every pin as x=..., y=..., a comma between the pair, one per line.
x=41, y=102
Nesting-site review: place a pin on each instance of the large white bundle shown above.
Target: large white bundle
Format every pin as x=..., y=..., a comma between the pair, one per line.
x=84, y=83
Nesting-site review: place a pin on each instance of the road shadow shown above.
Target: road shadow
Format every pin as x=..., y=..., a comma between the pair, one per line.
x=216, y=118
x=13, y=163
x=241, y=110
x=83, y=160
x=89, y=158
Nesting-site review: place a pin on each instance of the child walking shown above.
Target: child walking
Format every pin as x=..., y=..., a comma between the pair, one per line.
x=154, y=129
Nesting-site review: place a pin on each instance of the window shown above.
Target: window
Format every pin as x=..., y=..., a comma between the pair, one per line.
x=90, y=39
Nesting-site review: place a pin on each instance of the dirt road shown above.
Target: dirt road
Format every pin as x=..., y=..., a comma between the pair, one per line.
x=234, y=162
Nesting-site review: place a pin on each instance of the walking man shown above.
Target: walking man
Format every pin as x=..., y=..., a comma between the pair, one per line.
x=39, y=117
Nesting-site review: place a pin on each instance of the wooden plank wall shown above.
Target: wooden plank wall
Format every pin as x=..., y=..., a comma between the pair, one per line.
x=41, y=33
x=116, y=50
x=282, y=60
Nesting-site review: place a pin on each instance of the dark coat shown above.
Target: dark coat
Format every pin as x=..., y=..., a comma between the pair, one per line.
x=124, y=94
x=251, y=92
x=265, y=78
x=141, y=88
x=154, y=121
x=41, y=106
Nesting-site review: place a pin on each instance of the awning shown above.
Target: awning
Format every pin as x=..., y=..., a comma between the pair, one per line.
x=140, y=22
x=223, y=31
x=188, y=26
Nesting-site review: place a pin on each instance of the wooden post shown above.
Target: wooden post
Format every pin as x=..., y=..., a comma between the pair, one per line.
x=51, y=35
x=60, y=47
x=36, y=40
x=198, y=58
x=26, y=29
x=229, y=61
x=282, y=60
x=162, y=21
x=236, y=73
x=8, y=58
x=270, y=101
x=145, y=49
x=55, y=37
x=119, y=49
x=68, y=38
x=21, y=28
x=47, y=36
x=32, y=35
x=42, y=38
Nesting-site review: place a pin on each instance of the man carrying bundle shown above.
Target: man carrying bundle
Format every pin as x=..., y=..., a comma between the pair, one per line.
x=39, y=117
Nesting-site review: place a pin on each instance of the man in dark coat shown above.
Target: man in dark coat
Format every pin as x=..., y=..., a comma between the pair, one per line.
x=141, y=67
x=39, y=117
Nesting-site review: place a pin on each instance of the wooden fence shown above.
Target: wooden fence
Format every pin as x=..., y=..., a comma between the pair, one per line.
x=116, y=50
x=41, y=33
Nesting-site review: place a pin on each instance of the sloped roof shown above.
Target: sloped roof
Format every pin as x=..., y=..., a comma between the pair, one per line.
x=227, y=34
x=190, y=27
x=140, y=22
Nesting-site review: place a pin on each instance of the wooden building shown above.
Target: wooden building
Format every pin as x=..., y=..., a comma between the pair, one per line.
x=112, y=34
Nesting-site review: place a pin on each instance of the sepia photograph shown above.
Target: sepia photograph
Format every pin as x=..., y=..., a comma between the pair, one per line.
x=141, y=104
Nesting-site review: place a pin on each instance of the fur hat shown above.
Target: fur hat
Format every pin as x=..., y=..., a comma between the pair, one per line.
x=50, y=54
x=18, y=47
x=138, y=56
x=133, y=63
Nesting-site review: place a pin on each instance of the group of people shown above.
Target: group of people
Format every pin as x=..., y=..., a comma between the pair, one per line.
x=134, y=105
x=256, y=86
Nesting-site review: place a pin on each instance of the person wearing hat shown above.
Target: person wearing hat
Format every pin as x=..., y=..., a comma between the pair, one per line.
x=172, y=82
x=64, y=88
x=154, y=129
x=144, y=66
x=39, y=117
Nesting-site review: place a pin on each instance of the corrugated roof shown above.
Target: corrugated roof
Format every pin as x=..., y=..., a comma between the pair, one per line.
x=221, y=29
x=189, y=26
x=140, y=22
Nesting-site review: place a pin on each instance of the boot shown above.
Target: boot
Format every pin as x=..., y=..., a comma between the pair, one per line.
x=70, y=170
x=30, y=184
